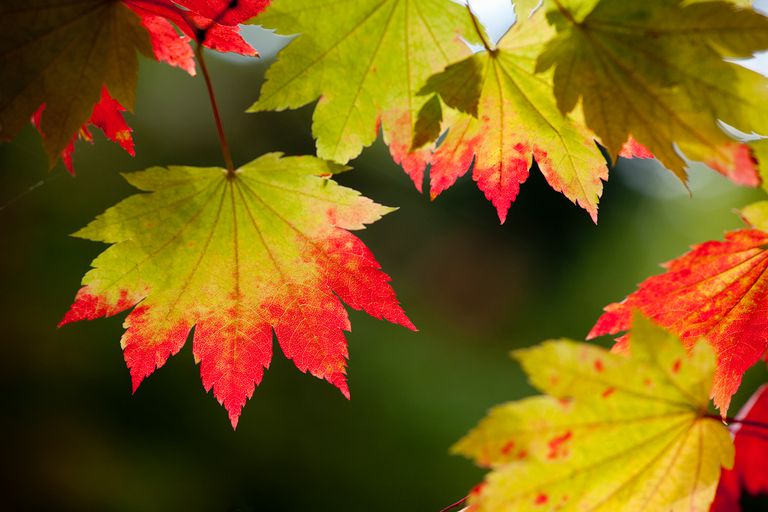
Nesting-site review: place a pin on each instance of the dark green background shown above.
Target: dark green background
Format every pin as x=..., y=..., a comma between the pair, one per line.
x=73, y=437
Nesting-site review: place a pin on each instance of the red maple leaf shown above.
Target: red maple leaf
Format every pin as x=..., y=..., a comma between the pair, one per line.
x=718, y=291
x=214, y=23
x=751, y=441
x=172, y=27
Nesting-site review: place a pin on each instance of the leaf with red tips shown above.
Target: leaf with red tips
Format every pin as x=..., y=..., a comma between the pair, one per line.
x=662, y=71
x=366, y=61
x=718, y=291
x=734, y=160
x=751, y=442
x=507, y=118
x=63, y=55
x=647, y=445
x=237, y=258
x=68, y=57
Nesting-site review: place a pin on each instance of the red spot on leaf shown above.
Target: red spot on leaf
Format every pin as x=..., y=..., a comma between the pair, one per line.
x=676, y=366
x=557, y=446
x=523, y=454
x=541, y=499
x=608, y=392
x=507, y=448
x=599, y=365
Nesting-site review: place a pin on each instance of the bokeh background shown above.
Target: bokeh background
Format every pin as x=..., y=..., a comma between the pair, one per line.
x=74, y=438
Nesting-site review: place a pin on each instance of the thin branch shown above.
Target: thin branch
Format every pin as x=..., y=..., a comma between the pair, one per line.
x=480, y=31
x=458, y=504
x=216, y=116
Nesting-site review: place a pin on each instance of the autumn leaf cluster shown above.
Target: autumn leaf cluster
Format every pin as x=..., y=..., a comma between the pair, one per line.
x=242, y=254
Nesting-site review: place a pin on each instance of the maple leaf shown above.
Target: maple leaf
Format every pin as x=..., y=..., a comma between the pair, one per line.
x=507, y=118
x=63, y=55
x=267, y=249
x=75, y=63
x=613, y=433
x=366, y=61
x=674, y=88
x=717, y=291
x=751, y=443
x=212, y=22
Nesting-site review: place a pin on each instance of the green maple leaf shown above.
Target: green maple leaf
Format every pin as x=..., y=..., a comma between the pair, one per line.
x=366, y=61
x=507, y=116
x=614, y=433
x=62, y=54
x=655, y=70
x=237, y=257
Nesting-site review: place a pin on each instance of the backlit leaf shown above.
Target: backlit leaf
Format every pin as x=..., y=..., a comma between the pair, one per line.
x=74, y=62
x=508, y=119
x=613, y=433
x=237, y=258
x=656, y=70
x=718, y=291
x=63, y=55
x=365, y=60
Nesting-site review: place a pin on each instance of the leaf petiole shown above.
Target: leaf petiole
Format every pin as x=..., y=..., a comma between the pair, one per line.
x=216, y=115
x=479, y=30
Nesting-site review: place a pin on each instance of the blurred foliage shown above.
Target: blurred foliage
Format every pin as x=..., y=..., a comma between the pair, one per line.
x=75, y=438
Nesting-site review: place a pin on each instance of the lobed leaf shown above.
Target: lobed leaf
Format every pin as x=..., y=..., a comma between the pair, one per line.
x=507, y=118
x=612, y=433
x=236, y=258
x=75, y=64
x=669, y=92
x=718, y=292
x=366, y=61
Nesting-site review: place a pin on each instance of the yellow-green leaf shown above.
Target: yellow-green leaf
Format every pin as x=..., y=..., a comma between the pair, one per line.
x=237, y=257
x=507, y=117
x=613, y=433
x=366, y=61
x=655, y=70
